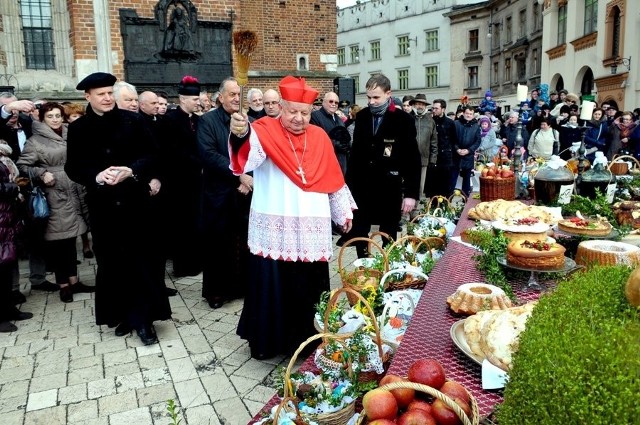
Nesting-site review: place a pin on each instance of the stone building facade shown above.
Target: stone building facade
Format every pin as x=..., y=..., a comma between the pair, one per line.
x=47, y=46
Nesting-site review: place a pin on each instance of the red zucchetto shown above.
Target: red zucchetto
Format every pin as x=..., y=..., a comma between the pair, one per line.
x=296, y=90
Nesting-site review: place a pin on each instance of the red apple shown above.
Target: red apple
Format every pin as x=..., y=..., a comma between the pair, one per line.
x=403, y=396
x=382, y=422
x=420, y=405
x=416, y=417
x=506, y=173
x=428, y=372
x=491, y=172
x=455, y=390
x=484, y=171
x=380, y=404
x=443, y=414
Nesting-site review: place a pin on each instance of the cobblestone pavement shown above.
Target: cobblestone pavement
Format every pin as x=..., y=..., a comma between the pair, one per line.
x=61, y=368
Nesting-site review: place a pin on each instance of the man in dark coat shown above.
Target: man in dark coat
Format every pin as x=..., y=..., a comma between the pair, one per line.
x=225, y=204
x=182, y=184
x=110, y=152
x=383, y=172
x=327, y=119
x=468, y=140
x=440, y=183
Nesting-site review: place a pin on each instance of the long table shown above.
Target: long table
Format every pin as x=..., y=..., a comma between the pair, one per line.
x=428, y=335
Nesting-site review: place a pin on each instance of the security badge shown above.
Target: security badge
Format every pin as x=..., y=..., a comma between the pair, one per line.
x=388, y=146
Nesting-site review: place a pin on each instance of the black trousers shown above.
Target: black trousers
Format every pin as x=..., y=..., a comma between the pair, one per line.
x=61, y=258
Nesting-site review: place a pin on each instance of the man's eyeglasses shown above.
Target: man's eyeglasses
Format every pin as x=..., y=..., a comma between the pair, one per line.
x=275, y=102
x=332, y=101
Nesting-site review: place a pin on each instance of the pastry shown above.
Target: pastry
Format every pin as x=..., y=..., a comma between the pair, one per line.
x=627, y=213
x=585, y=227
x=536, y=254
x=471, y=298
x=605, y=252
x=527, y=228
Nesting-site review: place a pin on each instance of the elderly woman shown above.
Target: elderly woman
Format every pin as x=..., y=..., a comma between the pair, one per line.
x=544, y=141
x=43, y=159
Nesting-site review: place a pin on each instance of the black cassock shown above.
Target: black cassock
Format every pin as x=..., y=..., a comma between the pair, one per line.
x=124, y=240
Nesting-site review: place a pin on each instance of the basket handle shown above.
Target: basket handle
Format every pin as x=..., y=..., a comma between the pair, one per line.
x=618, y=157
x=370, y=241
x=417, y=218
x=288, y=387
x=283, y=406
x=441, y=396
x=415, y=241
x=441, y=205
x=383, y=237
x=334, y=298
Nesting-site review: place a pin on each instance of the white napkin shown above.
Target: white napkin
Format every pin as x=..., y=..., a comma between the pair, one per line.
x=492, y=376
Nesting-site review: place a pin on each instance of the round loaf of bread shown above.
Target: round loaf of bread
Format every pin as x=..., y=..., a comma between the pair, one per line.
x=536, y=254
x=606, y=252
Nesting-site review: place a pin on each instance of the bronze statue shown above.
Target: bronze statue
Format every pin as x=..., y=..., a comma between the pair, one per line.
x=179, y=20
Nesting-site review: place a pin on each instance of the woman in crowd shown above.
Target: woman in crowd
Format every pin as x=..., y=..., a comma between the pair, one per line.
x=489, y=143
x=544, y=141
x=620, y=135
x=8, y=229
x=43, y=160
x=570, y=133
x=73, y=111
x=596, y=134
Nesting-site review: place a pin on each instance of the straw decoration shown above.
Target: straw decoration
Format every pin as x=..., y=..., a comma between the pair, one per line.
x=244, y=43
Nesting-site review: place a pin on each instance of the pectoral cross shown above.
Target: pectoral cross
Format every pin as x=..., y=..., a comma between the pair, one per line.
x=300, y=172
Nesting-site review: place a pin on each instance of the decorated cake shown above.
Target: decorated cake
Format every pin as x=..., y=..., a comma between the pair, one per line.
x=585, y=226
x=540, y=254
x=605, y=252
x=525, y=228
x=471, y=298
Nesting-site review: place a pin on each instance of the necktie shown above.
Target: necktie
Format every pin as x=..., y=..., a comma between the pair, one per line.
x=376, y=123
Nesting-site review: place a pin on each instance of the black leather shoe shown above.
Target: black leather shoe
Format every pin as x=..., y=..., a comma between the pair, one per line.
x=123, y=329
x=88, y=254
x=8, y=327
x=17, y=297
x=171, y=292
x=147, y=335
x=79, y=287
x=45, y=286
x=261, y=356
x=66, y=294
x=18, y=315
x=216, y=302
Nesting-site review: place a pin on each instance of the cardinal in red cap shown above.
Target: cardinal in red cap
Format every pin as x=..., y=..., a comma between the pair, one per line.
x=298, y=191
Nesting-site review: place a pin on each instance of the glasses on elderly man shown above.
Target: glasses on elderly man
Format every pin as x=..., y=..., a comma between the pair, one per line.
x=332, y=101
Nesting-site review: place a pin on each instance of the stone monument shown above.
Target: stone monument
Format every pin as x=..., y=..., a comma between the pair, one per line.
x=159, y=52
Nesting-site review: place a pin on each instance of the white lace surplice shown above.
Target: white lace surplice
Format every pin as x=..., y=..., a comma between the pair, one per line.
x=286, y=222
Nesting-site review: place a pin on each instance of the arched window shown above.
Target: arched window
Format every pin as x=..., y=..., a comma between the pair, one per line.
x=615, y=36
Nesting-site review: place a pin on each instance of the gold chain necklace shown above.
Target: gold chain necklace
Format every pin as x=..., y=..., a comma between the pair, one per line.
x=300, y=171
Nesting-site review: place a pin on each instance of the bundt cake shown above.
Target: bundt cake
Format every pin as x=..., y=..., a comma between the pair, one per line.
x=606, y=252
x=471, y=298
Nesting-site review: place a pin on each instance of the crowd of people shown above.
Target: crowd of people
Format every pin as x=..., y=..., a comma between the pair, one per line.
x=253, y=194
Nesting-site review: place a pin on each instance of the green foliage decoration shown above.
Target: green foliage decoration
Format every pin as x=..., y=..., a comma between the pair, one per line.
x=493, y=245
x=577, y=362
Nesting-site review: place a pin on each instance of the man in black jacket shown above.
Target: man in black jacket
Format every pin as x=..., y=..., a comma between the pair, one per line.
x=111, y=152
x=383, y=171
x=440, y=183
x=327, y=118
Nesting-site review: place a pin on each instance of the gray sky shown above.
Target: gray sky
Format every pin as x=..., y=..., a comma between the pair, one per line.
x=345, y=3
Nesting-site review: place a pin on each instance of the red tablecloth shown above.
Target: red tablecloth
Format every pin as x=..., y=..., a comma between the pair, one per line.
x=428, y=334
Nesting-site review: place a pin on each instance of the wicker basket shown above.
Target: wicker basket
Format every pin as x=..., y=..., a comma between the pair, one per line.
x=473, y=420
x=357, y=279
x=492, y=189
x=619, y=165
x=377, y=338
x=339, y=417
x=418, y=281
x=397, y=294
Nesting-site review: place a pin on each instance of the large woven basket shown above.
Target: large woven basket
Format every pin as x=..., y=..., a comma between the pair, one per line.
x=357, y=278
x=339, y=417
x=619, y=164
x=473, y=420
x=492, y=189
x=377, y=337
